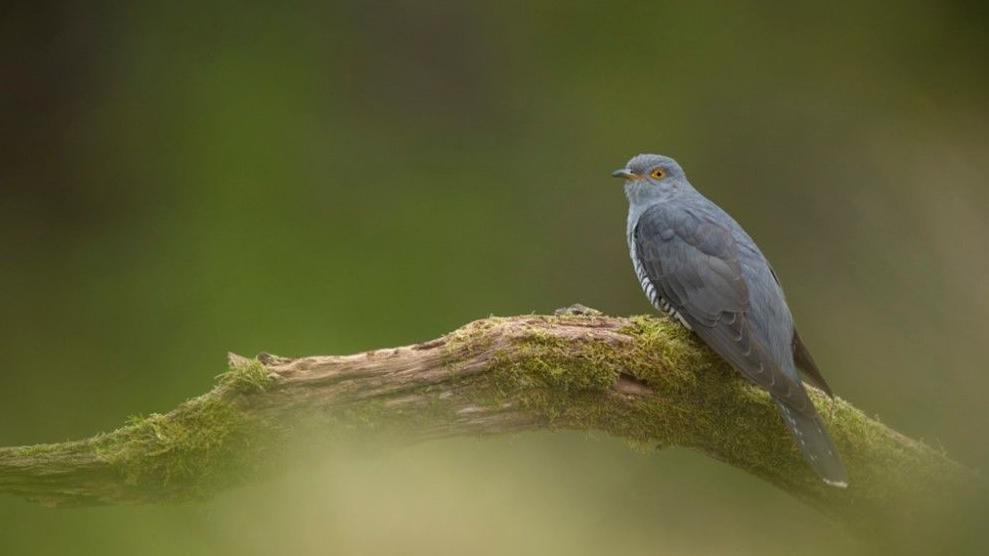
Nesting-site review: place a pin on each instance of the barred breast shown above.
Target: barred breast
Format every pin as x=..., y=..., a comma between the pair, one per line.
x=650, y=290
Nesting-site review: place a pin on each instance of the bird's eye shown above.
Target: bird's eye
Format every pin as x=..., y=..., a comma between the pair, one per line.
x=657, y=173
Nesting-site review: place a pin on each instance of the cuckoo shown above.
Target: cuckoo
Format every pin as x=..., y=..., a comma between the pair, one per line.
x=695, y=263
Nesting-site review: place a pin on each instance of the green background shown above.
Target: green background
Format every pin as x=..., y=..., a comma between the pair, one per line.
x=183, y=180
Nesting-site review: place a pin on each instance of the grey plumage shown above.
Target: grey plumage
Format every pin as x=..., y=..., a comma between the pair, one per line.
x=697, y=264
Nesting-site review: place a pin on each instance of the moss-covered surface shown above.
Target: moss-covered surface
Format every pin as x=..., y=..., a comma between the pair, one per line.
x=249, y=377
x=698, y=401
x=205, y=444
x=571, y=379
x=494, y=375
x=184, y=451
x=471, y=340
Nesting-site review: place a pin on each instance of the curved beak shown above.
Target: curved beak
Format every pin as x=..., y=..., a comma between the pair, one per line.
x=624, y=173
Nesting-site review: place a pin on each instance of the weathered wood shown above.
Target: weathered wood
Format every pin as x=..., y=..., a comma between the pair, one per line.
x=644, y=379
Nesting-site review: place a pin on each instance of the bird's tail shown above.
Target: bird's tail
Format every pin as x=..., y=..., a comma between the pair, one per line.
x=815, y=445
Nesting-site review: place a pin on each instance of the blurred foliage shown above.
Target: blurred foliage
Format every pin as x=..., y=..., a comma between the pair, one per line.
x=179, y=180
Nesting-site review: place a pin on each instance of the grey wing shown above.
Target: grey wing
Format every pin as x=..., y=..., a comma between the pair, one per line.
x=805, y=362
x=694, y=266
x=802, y=357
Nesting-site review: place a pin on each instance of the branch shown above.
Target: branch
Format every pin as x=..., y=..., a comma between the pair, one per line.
x=644, y=379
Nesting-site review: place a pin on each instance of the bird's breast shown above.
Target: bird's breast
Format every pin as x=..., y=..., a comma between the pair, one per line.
x=652, y=294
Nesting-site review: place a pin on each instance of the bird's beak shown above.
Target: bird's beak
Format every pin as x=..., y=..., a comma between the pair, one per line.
x=624, y=173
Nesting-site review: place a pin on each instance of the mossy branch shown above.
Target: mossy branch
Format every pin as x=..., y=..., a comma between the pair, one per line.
x=644, y=379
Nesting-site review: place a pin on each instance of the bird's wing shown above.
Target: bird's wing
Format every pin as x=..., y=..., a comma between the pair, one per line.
x=693, y=264
x=802, y=357
x=805, y=362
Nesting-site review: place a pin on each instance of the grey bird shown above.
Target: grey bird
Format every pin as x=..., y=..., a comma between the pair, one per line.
x=698, y=265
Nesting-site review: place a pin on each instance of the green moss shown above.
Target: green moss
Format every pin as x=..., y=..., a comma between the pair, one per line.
x=249, y=377
x=659, y=352
x=666, y=353
x=196, y=446
x=700, y=402
x=205, y=444
x=471, y=339
x=541, y=360
x=562, y=378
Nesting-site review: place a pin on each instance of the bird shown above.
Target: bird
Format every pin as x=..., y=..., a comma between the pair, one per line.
x=696, y=264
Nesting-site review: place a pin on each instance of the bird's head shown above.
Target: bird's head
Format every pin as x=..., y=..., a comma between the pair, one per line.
x=652, y=178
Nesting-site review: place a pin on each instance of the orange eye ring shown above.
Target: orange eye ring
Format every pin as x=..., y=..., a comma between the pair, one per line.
x=657, y=173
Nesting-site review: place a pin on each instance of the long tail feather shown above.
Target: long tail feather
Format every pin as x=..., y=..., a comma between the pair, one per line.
x=815, y=444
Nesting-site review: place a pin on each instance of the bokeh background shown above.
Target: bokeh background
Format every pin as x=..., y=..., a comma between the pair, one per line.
x=180, y=180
